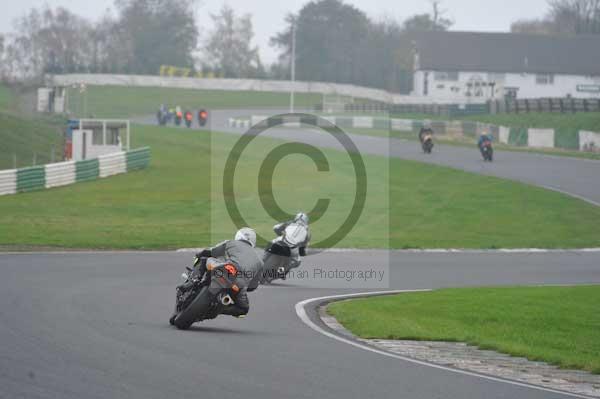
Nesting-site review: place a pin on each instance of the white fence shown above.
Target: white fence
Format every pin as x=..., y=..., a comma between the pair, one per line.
x=113, y=164
x=281, y=86
x=64, y=173
x=60, y=174
x=8, y=181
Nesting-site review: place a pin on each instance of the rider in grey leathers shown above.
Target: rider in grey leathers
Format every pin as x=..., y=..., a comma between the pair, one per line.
x=240, y=251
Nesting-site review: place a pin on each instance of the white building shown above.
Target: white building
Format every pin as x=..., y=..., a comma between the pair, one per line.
x=482, y=66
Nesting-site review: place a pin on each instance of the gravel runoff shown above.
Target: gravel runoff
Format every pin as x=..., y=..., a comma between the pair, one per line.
x=465, y=357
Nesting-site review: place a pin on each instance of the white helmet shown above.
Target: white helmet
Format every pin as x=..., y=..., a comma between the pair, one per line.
x=301, y=217
x=246, y=234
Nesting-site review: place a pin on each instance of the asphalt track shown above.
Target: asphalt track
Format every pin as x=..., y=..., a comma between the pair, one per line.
x=94, y=325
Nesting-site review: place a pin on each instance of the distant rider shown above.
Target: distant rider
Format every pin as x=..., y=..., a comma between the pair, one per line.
x=483, y=137
x=425, y=130
x=302, y=219
x=189, y=116
x=239, y=251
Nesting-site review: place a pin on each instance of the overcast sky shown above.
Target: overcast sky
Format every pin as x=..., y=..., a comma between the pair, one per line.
x=268, y=15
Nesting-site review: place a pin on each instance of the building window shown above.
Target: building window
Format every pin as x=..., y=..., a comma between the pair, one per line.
x=446, y=76
x=112, y=136
x=544, y=79
x=97, y=137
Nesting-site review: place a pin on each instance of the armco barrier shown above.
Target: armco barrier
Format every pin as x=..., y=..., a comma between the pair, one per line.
x=32, y=178
x=519, y=137
x=540, y=138
x=87, y=170
x=589, y=141
x=61, y=174
x=112, y=164
x=138, y=159
x=8, y=181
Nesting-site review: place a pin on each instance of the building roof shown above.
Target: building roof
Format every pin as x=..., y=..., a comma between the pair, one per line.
x=508, y=53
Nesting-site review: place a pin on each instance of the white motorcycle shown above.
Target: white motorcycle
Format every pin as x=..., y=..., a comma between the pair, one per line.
x=283, y=253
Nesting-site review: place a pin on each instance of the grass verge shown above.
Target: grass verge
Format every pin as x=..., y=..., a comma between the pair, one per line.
x=542, y=120
x=123, y=102
x=558, y=325
x=26, y=141
x=177, y=203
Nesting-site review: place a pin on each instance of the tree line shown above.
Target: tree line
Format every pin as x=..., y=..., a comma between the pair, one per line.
x=574, y=17
x=336, y=42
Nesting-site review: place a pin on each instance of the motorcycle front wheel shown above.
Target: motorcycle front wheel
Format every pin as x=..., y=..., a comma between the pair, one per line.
x=190, y=314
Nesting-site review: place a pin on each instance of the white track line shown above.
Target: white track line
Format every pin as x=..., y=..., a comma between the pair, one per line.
x=576, y=196
x=302, y=314
x=443, y=250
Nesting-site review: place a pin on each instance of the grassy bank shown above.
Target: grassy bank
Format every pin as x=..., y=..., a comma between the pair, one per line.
x=5, y=98
x=122, y=102
x=543, y=120
x=559, y=325
x=175, y=203
x=25, y=141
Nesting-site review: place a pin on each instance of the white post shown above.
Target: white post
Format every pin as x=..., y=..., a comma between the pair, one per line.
x=128, y=137
x=103, y=132
x=293, y=66
x=85, y=102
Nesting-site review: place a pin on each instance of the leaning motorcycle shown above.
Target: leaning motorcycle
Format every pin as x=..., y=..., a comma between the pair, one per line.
x=208, y=287
x=279, y=258
x=487, y=152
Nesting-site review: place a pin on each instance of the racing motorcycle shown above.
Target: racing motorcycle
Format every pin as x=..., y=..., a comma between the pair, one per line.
x=281, y=254
x=487, y=152
x=178, y=118
x=427, y=143
x=206, y=289
x=189, y=118
x=161, y=118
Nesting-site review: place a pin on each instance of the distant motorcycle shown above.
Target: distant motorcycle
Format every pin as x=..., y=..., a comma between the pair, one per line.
x=161, y=117
x=280, y=254
x=203, y=295
x=487, y=152
x=427, y=143
x=189, y=118
x=202, y=117
x=178, y=118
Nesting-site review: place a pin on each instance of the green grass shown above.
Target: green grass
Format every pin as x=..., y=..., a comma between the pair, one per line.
x=178, y=202
x=25, y=141
x=561, y=122
x=564, y=122
x=559, y=325
x=6, y=98
x=122, y=102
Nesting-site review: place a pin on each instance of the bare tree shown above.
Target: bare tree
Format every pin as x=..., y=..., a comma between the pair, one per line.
x=435, y=21
x=47, y=40
x=229, y=46
x=535, y=26
x=565, y=16
x=576, y=16
x=437, y=15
